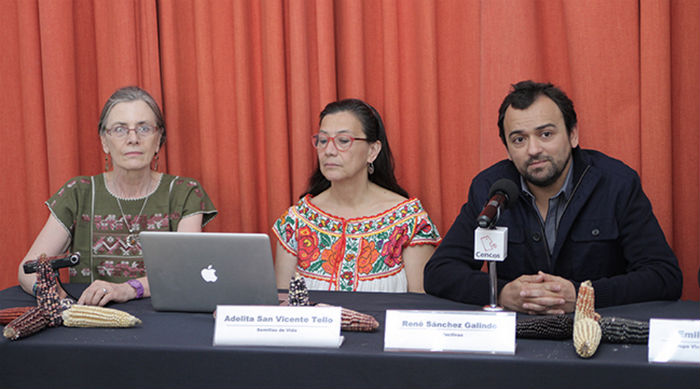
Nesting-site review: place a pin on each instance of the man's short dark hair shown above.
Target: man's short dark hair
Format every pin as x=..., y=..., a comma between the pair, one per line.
x=525, y=93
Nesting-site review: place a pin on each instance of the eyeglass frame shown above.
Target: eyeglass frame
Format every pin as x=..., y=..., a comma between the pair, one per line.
x=154, y=128
x=315, y=137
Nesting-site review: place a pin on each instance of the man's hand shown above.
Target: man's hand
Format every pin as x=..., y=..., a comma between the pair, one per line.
x=540, y=293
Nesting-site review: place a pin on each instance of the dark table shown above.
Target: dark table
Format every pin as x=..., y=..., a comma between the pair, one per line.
x=174, y=350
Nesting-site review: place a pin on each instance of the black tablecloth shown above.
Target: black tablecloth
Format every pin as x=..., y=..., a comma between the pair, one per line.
x=174, y=350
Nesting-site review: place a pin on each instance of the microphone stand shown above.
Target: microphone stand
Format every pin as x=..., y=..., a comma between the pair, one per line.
x=493, y=279
x=493, y=285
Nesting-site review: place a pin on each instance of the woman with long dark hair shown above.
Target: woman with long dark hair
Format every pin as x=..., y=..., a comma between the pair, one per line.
x=355, y=228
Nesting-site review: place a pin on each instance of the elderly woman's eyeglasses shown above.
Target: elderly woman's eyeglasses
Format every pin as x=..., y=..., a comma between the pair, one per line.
x=142, y=130
x=342, y=142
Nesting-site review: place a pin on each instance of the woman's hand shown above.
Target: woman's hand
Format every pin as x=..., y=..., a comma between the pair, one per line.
x=102, y=292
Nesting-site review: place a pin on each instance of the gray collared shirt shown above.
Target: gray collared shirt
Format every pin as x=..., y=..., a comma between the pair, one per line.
x=557, y=205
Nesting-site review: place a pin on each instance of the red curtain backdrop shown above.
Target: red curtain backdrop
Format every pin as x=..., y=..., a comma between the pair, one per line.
x=242, y=83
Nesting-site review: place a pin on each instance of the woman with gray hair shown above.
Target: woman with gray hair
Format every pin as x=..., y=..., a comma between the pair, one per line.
x=101, y=216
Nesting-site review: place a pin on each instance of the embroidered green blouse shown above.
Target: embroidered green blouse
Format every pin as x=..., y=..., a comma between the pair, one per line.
x=99, y=230
x=362, y=254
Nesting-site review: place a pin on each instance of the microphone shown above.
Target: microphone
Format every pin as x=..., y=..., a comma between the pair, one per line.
x=56, y=262
x=503, y=193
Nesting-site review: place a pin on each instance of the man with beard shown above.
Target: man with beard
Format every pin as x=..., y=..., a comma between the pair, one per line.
x=580, y=215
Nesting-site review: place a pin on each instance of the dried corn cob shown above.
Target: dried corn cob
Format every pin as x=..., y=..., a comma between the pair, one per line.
x=619, y=330
x=545, y=327
x=585, y=302
x=9, y=314
x=91, y=316
x=298, y=293
x=355, y=321
x=349, y=320
x=48, y=309
x=587, y=332
x=47, y=296
x=587, y=335
x=30, y=322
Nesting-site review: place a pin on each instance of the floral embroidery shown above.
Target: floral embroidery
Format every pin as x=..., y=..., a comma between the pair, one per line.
x=331, y=257
x=308, y=247
x=342, y=254
x=108, y=222
x=157, y=222
x=288, y=231
x=424, y=227
x=127, y=269
x=368, y=255
x=393, y=248
x=348, y=277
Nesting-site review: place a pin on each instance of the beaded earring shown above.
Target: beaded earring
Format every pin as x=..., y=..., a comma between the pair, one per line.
x=370, y=168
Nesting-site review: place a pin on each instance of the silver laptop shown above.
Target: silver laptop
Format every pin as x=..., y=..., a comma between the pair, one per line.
x=195, y=272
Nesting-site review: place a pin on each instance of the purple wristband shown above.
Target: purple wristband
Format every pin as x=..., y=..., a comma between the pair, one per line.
x=136, y=284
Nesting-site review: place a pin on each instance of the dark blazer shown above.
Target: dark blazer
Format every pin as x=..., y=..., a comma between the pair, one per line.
x=607, y=234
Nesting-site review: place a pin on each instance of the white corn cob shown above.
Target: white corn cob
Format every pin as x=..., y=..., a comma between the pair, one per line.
x=92, y=316
x=587, y=334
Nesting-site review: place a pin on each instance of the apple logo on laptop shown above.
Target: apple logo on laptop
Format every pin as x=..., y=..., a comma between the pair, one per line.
x=209, y=274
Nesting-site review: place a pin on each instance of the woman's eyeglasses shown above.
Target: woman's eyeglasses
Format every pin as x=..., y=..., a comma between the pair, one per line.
x=342, y=142
x=142, y=130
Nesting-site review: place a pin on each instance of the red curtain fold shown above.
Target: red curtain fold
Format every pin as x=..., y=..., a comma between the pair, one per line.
x=684, y=133
x=242, y=83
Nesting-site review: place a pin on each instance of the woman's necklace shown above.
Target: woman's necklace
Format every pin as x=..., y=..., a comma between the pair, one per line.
x=133, y=238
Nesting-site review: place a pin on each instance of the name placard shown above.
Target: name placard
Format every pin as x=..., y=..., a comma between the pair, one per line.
x=453, y=331
x=674, y=341
x=257, y=325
